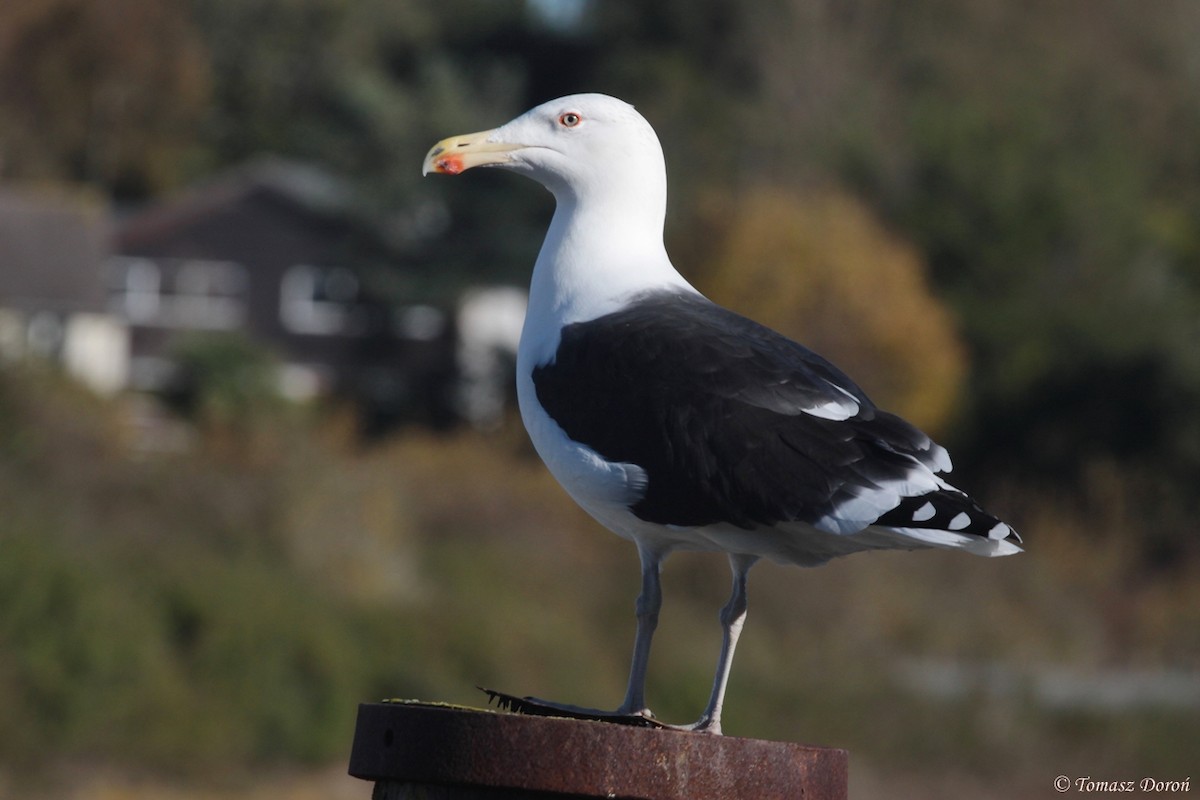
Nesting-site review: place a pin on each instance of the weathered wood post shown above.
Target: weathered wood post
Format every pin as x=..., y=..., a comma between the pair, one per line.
x=415, y=750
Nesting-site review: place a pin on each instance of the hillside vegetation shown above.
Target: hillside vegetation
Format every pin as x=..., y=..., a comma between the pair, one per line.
x=226, y=608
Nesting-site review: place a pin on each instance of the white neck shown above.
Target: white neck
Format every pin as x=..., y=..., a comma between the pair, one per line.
x=593, y=259
x=595, y=256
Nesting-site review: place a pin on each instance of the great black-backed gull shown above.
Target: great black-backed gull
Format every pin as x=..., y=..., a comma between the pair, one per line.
x=681, y=425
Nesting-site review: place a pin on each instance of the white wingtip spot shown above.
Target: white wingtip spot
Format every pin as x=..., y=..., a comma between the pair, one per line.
x=1001, y=530
x=960, y=521
x=941, y=459
x=924, y=512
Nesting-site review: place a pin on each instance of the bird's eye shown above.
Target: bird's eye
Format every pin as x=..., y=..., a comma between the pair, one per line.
x=570, y=119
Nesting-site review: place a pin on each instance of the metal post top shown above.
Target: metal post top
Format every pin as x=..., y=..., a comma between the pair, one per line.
x=422, y=743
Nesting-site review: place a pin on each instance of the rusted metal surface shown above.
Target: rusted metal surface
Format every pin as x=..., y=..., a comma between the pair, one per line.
x=420, y=744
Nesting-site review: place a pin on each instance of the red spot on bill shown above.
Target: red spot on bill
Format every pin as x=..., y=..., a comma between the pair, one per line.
x=451, y=165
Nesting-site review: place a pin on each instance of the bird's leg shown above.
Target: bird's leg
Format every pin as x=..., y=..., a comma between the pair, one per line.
x=648, y=604
x=733, y=617
x=633, y=710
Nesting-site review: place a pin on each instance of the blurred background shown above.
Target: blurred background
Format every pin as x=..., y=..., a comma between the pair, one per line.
x=258, y=455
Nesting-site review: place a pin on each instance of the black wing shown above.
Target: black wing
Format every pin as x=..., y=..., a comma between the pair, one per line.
x=731, y=421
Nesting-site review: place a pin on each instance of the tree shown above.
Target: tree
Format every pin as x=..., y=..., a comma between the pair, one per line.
x=103, y=93
x=822, y=270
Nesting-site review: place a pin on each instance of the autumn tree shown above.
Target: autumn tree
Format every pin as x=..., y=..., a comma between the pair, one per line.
x=823, y=270
x=104, y=93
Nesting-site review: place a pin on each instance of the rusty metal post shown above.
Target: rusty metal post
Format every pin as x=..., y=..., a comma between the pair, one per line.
x=416, y=750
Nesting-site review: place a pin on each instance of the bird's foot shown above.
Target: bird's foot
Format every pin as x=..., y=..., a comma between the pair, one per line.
x=705, y=724
x=545, y=708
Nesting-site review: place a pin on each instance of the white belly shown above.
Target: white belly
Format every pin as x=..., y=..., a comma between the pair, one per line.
x=601, y=487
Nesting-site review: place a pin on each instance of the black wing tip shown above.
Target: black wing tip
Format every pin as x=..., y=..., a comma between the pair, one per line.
x=952, y=511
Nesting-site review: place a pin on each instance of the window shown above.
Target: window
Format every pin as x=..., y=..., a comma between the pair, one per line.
x=209, y=295
x=319, y=300
x=177, y=293
x=136, y=283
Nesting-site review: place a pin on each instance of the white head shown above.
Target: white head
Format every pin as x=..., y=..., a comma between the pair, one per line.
x=603, y=162
x=583, y=147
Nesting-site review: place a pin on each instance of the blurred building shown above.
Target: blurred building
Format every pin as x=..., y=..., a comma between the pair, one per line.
x=489, y=322
x=53, y=296
x=274, y=252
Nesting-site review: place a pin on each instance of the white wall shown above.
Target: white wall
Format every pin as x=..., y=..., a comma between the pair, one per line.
x=96, y=351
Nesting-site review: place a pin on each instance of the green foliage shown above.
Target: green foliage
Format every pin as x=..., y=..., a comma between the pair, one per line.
x=190, y=661
x=82, y=661
x=149, y=610
x=223, y=378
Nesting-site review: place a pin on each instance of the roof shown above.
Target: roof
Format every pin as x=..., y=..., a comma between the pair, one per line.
x=307, y=188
